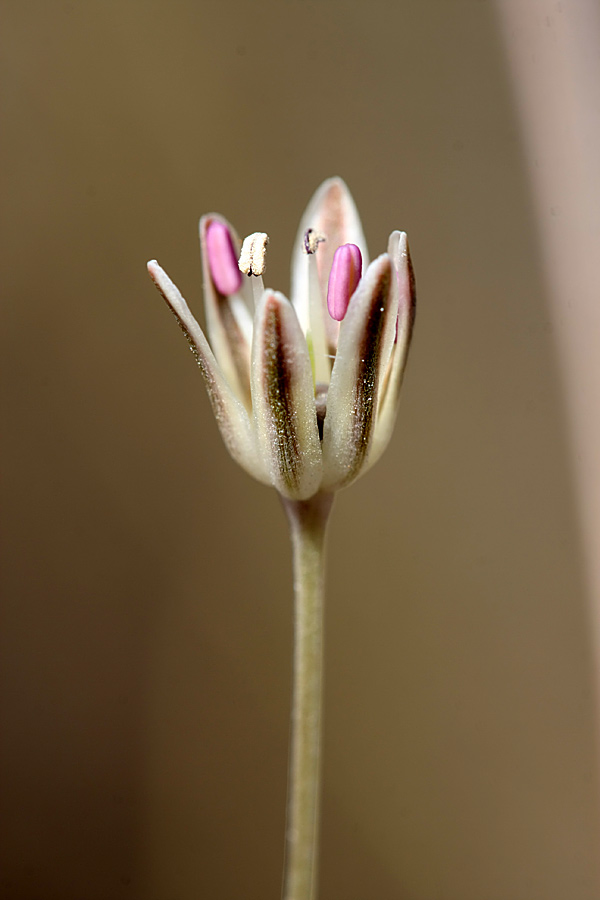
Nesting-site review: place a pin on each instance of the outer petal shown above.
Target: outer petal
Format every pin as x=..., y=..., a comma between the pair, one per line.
x=333, y=212
x=228, y=320
x=366, y=338
x=232, y=419
x=388, y=406
x=283, y=399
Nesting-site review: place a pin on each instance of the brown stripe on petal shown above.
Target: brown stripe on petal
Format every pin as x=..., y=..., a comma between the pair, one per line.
x=413, y=292
x=204, y=368
x=238, y=346
x=214, y=394
x=212, y=388
x=277, y=386
x=407, y=309
x=232, y=419
x=368, y=375
x=406, y=317
x=321, y=391
x=206, y=373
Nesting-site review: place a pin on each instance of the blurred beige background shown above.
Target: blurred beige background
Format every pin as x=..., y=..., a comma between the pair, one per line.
x=146, y=622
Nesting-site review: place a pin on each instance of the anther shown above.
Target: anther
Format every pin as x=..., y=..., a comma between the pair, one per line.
x=222, y=259
x=253, y=255
x=344, y=276
x=312, y=239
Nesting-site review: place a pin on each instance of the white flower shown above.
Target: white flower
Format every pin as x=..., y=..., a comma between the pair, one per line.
x=305, y=392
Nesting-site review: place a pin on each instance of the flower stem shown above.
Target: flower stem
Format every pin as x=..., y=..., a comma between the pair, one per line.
x=308, y=525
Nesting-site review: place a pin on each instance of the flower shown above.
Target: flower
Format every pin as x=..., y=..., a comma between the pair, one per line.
x=304, y=392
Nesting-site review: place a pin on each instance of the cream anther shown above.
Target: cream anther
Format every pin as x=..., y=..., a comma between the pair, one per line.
x=253, y=255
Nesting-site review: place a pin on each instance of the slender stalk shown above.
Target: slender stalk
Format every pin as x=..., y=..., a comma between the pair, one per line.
x=308, y=525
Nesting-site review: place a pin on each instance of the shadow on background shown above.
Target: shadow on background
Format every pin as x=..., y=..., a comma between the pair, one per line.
x=147, y=593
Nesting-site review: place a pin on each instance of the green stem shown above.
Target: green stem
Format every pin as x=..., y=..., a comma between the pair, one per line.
x=308, y=525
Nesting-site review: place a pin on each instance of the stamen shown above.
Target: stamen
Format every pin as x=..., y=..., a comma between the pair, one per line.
x=253, y=255
x=344, y=276
x=316, y=333
x=222, y=259
x=312, y=239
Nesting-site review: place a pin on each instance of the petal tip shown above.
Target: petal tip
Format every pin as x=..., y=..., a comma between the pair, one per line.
x=154, y=269
x=335, y=182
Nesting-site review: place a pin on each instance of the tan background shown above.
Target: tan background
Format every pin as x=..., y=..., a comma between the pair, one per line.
x=146, y=585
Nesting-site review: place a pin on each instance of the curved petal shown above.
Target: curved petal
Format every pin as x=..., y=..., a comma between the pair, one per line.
x=388, y=407
x=232, y=419
x=283, y=399
x=228, y=320
x=366, y=338
x=333, y=212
